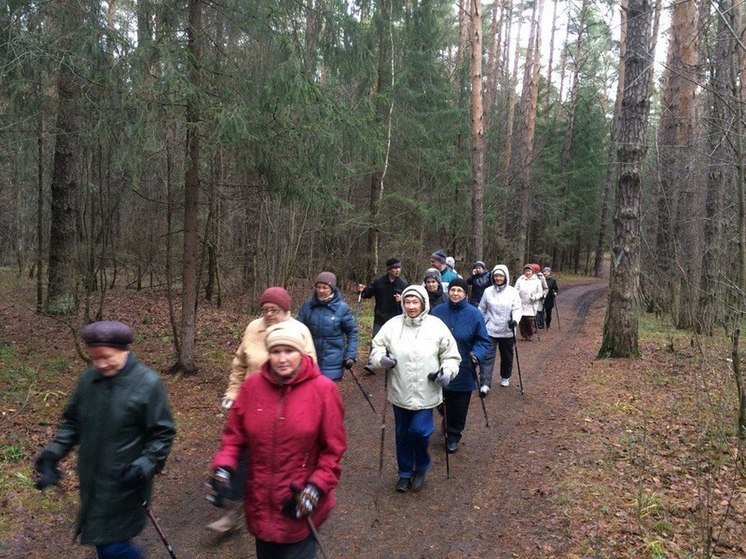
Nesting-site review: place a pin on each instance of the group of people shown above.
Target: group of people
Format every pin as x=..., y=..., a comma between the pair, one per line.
x=281, y=447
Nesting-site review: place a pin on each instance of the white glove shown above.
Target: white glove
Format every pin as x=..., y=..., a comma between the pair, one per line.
x=484, y=390
x=226, y=403
x=388, y=362
x=442, y=378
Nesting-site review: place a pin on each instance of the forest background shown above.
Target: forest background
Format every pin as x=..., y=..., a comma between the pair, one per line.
x=208, y=149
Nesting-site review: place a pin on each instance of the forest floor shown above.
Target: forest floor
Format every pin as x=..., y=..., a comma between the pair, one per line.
x=596, y=458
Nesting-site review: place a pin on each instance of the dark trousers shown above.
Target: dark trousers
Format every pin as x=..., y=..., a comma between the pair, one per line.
x=505, y=346
x=548, y=313
x=304, y=549
x=238, y=479
x=457, y=407
x=526, y=326
x=540, y=319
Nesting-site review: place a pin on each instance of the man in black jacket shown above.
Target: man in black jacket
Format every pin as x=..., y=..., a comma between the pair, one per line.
x=387, y=290
x=479, y=281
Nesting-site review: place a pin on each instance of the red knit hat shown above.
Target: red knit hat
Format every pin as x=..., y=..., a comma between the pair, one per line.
x=277, y=295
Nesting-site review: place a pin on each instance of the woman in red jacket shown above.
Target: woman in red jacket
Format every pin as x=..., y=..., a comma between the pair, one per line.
x=290, y=419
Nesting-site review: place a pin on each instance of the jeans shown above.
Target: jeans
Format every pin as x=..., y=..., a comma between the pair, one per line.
x=413, y=429
x=304, y=549
x=119, y=550
x=505, y=345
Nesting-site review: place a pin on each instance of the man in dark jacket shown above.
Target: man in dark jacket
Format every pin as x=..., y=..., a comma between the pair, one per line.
x=479, y=281
x=387, y=290
x=120, y=419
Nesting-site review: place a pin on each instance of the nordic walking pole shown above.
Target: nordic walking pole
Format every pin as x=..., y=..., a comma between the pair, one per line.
x=556, y=310
x=158, y=529
x=383, y=418
x=360, y=386
x=474, y=366
x=517, y=362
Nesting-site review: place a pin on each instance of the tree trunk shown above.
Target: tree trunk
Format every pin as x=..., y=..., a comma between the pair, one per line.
x=611, y=168
x=620, y=337
x=529, y=99
x=477, y=134
x=62, y=296
x=385, y=80
x=186, y=362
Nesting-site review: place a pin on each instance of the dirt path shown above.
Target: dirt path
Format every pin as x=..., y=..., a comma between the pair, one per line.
x=499, y=502
x=502, y=499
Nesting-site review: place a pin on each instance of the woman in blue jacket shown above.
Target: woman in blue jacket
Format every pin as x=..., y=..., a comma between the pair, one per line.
x=332, y=327
x=466, y=324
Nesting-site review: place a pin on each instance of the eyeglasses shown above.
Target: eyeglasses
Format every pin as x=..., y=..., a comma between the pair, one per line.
x=271, y=310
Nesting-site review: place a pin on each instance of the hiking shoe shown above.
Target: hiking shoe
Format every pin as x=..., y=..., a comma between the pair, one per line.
x=505, y=382
x=418, y=481
x=452, y=448
x=231, y=521
x=402, y=486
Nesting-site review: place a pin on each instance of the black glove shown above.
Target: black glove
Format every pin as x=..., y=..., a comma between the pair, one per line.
x=219, y=486
x=46, y=467
x=132, y=476
x=348, y=363
x=483, y=391
x=388, y=362
x=302, y=502
x=512, y=324
x=441, y=377
x=474, y=360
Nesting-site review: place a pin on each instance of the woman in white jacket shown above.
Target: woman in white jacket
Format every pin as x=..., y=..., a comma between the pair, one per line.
x=501, y=307
x=531, y=292
x=413, y=346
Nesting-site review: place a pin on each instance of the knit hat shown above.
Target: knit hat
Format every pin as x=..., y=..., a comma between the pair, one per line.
x=439, y=255
x=432, y=273
x=277, y=295
x=107, y=333
x=288, y=333
x=450, y=262
x=529, y=266
x=536, y=268
x=547, y=269
x=393, y=263
x=479, y=264
x=328, y=278
x=459, y=282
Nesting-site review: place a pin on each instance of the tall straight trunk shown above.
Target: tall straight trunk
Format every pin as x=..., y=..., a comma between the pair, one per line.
x=577, y=64
x=494, y=56
x=62, y=296
x=612, y=166
x=620, y=338
x=477, y=134
x=550, y=62
x=529, y=99
x=186, y=363
x=684, y=39
x=39, y=208
x=382, y=118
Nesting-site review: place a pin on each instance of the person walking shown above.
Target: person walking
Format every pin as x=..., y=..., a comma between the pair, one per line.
x=549, y=299
x=479, y=280
x=451, y=263
x=414, y=346
x=540, y=302
x=288, y=419
x=333, y=329
x=501, y=308
x=120, y=420
x=466, y=325
x=531, y=291
x=434, y=288
x=275, y=303
x=438, y=261
x=387, y=290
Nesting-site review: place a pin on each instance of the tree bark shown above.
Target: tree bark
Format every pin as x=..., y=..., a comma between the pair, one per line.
x=620, y=337
x=186, y=362
x=62, y=295
x=477, y=134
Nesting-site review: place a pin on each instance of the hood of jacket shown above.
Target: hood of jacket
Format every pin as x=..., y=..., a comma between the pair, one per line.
x=306, y=370
x=500, y=268
x=420, y=292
